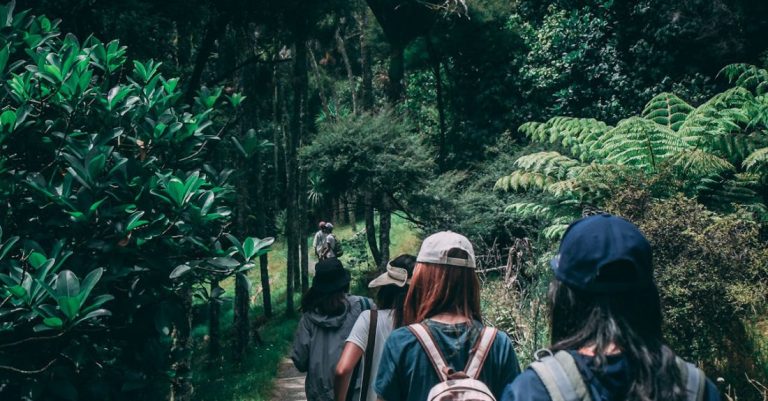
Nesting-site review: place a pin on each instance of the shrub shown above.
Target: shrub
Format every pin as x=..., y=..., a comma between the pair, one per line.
x=712, y=271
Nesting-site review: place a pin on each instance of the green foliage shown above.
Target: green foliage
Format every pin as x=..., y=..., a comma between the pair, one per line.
x=106, y=189
x=369, y=153
x=712, y=272
x=714, y=152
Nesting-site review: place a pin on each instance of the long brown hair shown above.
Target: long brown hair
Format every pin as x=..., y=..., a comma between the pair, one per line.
x=442, y=288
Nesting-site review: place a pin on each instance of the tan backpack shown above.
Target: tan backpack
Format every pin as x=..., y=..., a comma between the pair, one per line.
x=463, y=385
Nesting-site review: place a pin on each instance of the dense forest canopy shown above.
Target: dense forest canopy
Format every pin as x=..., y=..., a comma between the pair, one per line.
x=153, y=151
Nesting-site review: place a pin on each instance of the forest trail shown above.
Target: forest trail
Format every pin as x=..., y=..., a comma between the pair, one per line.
x=289, y=383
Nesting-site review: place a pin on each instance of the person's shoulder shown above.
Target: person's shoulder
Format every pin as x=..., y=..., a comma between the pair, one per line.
x=526, y=386
x=402, y=336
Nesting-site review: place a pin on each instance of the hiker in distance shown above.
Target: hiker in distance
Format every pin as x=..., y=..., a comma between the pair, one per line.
x=445, y=338
x=328, y=316
x=606, y=325
x=373, y=328
x=318, y=242
x=332, y=247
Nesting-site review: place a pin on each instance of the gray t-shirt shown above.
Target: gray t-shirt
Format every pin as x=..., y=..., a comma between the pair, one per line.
x=359, y=337
x=330, y=243
x=319, y=242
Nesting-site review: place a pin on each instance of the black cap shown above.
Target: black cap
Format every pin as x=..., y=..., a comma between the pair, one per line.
x=330, y=276
x=604, y=254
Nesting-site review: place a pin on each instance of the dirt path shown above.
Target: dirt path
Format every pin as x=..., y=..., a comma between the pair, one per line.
x=289, y=384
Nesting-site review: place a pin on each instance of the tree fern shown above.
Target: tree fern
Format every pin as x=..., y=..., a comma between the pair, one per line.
x=640, y=143
x=757, y=162
x=722, y=191
x=575, y=134
x=747, y=76
x=521, y=180
x=667, y=109
x=698, y=163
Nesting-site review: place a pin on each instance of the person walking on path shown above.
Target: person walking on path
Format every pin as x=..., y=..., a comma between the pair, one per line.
x=331, y=244
x=318, y=242
x=392, y=287
x=328, y=316
x=443, y=306
x=606, y=325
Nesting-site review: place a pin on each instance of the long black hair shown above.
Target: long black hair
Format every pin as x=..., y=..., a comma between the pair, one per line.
x=328, y=304
x=392, y=296
x=630, y=321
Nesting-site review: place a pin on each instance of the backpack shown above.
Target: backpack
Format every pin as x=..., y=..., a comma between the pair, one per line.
x=337, y=248
x=457, y=386
x=564, y=382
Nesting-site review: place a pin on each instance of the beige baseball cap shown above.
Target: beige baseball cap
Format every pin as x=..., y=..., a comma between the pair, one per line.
x=394, y=275
x=435, y=249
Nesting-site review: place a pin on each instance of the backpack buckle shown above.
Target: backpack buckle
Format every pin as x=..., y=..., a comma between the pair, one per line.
x=545, y=351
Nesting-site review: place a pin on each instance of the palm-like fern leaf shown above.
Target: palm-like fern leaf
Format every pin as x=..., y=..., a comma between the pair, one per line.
x=698, y=163
x=640, y=143
x=757, y=161
x=667, y=109
x=725, y=191
x=721, y=126
x=521, y=180
x=747, y=76
x=575, y=134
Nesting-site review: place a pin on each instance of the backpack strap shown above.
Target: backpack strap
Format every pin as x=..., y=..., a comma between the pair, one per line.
x=480, y=352
x=421, y=331
x=369, y=354
x=694, y=380
x=561, y=377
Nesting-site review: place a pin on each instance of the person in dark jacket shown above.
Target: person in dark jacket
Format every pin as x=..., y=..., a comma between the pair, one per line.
x=606, y=320
x=329, y=314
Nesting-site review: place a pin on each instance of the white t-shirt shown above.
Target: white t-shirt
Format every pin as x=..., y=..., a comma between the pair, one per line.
x=359, y=337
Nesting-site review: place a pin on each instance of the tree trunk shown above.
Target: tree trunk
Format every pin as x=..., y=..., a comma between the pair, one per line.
x=296, y=132
x=395, y=90
x=182, y=385
x=435, y=61
x=214, y=331
x=216, y=26
x=352, y=207
x=265, y=288
x=277, y=118
x=261, y=232
x=370, y=229
x=241, y=318
x=347, y=65
x=303, y=232
x=385, y=224
x=319, y=78
x=366, y=89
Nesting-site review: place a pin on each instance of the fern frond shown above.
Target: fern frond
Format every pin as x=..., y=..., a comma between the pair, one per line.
x=640, y=143
x=722, y=191
x=575, y=134
x=554, y=232
x=530, y=210
x=698, y=163
x=757, y=162
x=747, y=76
x=552, y=164
x=521, y=180
x=667, y=109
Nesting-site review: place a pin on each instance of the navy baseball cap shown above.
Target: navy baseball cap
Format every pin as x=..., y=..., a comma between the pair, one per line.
x=604, y=254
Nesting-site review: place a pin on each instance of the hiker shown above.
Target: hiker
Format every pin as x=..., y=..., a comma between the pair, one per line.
x=392, y=287
x=606, y=325
x=331, y=246
x=318, y=242
x=442, y=309
x=328, y=316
